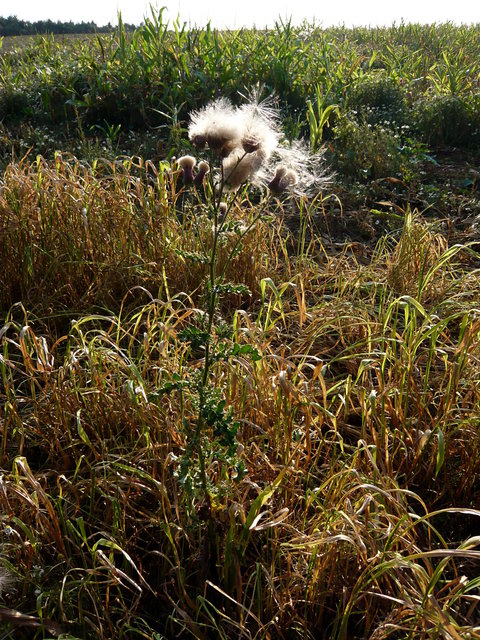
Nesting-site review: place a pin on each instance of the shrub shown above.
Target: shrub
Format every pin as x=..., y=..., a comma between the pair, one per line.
x=377, y=98
x=366, y=152
x=14, y=104
x=447, y=121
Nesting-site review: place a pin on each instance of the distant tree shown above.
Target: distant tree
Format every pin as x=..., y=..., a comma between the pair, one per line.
x=12, y=26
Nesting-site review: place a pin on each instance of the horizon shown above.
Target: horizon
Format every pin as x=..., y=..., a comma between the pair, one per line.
x=282, y=19
x=344, y=13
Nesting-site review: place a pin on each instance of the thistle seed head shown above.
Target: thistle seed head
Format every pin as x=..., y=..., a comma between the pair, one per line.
x=283, y=179
x=261, y=131
x=247, y=139
x=199, y=141
x=298, y=170
x=250, y=144
x=239, y=167
x=222, y=209
x=217, y=125
x=203, y=169
x=187, y=163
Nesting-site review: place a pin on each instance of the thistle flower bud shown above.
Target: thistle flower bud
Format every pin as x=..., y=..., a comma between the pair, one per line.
x=203, y=169
x=222, y=209
x=186, y=163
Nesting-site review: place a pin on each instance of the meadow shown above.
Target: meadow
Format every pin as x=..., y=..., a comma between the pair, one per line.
x=249, y=412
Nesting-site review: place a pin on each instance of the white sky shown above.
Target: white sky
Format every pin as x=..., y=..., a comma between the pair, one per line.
x=228, y=13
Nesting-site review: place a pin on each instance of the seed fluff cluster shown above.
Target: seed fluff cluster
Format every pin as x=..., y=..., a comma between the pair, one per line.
x=248, y=140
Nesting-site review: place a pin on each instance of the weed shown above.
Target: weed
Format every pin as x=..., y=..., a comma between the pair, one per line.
x=377, y=98
x=447, y=121
x=366, y=152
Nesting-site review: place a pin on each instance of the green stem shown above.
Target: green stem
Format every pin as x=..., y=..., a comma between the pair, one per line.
x=218, y=226
x=250, y=226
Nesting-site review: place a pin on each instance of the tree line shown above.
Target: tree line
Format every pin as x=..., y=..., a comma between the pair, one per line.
x=12, y=26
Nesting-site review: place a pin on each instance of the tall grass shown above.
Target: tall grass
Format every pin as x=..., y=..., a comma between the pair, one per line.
x=329, y=485
x=357, y=510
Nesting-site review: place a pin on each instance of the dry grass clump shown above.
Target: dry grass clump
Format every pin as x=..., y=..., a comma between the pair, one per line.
x=314, y=534
x=414, y=266
x=86, y=235
x=348, y=506
x=79, y=236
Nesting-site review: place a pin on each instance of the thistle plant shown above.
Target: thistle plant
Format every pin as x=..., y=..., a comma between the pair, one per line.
x=244, y=149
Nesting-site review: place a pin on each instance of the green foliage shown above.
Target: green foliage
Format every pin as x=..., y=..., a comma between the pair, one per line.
x=453, y=74
x=365, y=152
x=214, y=424
x=448, y=121
x=14, y=104
x=153, y=76
x=376, y=98
x=319, y=116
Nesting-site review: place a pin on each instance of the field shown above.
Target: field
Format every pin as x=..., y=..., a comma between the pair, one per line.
x=240, y=410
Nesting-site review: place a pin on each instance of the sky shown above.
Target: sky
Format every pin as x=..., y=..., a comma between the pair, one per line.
x=260, y=13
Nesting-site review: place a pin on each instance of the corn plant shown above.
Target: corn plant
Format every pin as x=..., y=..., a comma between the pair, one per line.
x=318, y=117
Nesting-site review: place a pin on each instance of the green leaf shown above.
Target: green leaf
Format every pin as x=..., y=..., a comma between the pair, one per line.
x=194, y=256
x=440, y=452
x=81, y=431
